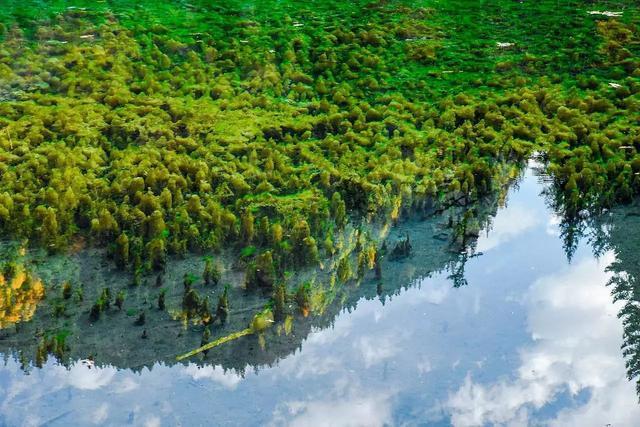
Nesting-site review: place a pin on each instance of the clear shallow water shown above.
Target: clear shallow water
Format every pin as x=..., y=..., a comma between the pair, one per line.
x=532, y=340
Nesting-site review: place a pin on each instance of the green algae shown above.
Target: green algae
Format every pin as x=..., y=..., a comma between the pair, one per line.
x=180, y=149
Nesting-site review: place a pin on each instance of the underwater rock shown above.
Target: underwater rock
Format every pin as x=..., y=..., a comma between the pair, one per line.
x=141, y=320
x=402, y=249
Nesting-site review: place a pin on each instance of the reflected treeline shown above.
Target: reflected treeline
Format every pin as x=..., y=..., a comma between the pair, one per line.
x=622, y=229
x=138, y=325
x=618, y=230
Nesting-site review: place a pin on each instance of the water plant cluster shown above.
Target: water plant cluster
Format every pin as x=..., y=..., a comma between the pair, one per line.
x=158, y=321
x=155, y=147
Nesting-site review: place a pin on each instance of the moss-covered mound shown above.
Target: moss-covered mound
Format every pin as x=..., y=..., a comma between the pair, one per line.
x=155, y=145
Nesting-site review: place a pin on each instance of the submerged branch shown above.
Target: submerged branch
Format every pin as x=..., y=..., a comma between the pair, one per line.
x=216, y=343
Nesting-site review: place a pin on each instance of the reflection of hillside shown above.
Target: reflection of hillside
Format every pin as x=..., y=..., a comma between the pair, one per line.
x=435, y=248
x=440, y=241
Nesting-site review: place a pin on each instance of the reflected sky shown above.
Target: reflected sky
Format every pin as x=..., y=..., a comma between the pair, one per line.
x=532, y=339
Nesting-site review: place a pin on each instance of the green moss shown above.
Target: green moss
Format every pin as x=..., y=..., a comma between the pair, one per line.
x=211, y=274
x=344, y=271
x=280, y=302
x=222, y=310
x=248, y=251
x=303, y=298
x=67, y=290
x=122, y=251
x=120, y=299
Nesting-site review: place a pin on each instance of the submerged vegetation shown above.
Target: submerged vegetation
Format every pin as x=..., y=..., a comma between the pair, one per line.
x=282, y=148
x=154, y=146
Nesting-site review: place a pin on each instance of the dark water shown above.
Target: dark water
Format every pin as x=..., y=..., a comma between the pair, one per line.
x=530, y=340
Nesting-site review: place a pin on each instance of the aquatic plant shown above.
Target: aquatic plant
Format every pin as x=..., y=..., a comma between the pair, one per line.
x=96, y=309
x=52, y=344
x=377, y=264
x=402, y=248
x=191, y=302
x=103, y=302
x=161, y=299
x=280, y=302
x=79, y=294
x=67, y=290
x=59, y=309
x=137, y=278
x=354, y=146
x=188, y=280
x=206, y=337
x=303, y=298
x=121, y=253
x=204, y=311
x=120, y=299
x=141, y=320
x=222, y=309
x=106, y=297
x=211, y=274
x=344, y=271
x=261, y=273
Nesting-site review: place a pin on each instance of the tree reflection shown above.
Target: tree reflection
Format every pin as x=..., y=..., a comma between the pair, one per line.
x=617, y=230
x=624, y=240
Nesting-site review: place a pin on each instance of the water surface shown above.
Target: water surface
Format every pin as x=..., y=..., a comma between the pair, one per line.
x=531, y=339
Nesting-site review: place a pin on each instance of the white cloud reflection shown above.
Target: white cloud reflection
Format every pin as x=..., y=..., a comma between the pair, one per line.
x=81, y=377
x=348, y=405
x=576, y=348
x=432, y=290
x=228, y=379
x=101, y=414
x=311, y=364
x=376, y=349
x=552, y=225
x=507, y=225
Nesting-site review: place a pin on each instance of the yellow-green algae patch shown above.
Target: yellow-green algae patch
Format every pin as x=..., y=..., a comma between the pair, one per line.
x=20, y=292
